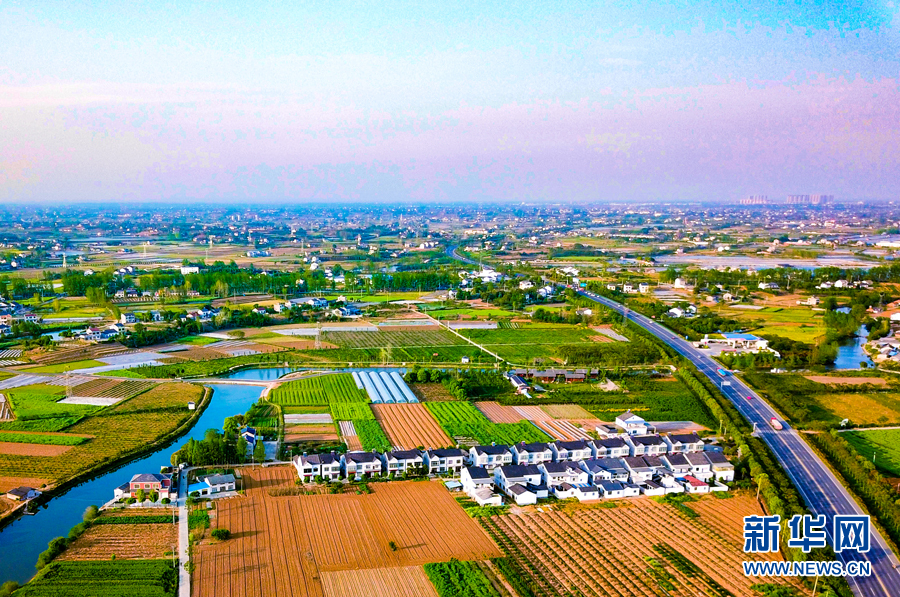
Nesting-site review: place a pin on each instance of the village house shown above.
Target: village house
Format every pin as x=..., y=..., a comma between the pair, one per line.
x=327, y=466
x=683, y=442
x=522, y=494
x=582, y=493
x=490, y=456
x=534, y=453
x=444, y=460
x=638, y=469
x=22, y=494
x=556, y=473
x=158, y=482
x=611, y=489
x=605, y=469
x=694, y=485
x=571, y=450
x=127, y=318
x=700, y=466
x=652, y=488
x=611, y=447
x=399, y=462
x=677, y=463
x=632, y=424
x=213, y=484
x=640, y=445
x=358, y=464
x=721, y=468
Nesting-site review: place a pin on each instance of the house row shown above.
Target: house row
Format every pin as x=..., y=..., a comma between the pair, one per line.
x=599, y=478
x=552, y=375
x=356, y=465
x=96, y=334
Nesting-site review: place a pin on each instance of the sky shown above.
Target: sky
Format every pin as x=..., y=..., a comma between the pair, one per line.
x=417, y=102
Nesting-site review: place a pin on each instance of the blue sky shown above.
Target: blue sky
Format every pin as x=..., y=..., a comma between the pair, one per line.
x=105, y=101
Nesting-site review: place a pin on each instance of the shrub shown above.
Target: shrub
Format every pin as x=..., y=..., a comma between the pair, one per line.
x=221, y=534
x=91, y=513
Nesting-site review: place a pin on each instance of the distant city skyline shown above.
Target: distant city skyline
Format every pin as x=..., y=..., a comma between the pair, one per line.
x=357, y=102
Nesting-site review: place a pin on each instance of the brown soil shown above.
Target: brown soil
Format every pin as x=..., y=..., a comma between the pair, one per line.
x=410, y=425
x=408, y=581
x=847, y=381
x=16, y=449
x=125, y=541
x=431, y=392
x=284, y=545
x=7, y=483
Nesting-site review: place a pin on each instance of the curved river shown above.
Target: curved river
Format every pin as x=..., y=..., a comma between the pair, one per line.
x=22, y=541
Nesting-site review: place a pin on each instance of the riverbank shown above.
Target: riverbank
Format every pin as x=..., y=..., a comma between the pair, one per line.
x=123, y=460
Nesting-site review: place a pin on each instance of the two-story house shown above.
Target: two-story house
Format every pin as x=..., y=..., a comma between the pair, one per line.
x=571, y=450
x=327, y=466
x=641, y=445
x=605, y=469
x=611, y=447
x=633, y=424
x=700, y=466
x=400, y=462
x=557, y=473
x=721, y=468
x=534, y=453
x=676, y=463
x=684, y=442
x=444, y=460
x=490, y=457
x=357, y=464
x=638, y=469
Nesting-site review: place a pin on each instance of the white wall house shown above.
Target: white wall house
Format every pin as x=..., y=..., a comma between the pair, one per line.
x=490, y=457
x=534, y=453
x=444, y=460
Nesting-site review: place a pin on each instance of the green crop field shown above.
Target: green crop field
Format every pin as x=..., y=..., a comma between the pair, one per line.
x=197, y=340
x=42, y=401
x=462, y=419
x=48, y=424
x=49, y=440
x=883, y=444
x=123, y=428
x=801, y=324
x=324, y=389
x=121, y=373
x=400, y=339
x=371, y=435
x=147, y=578
x=351, y=411
x=63, y=367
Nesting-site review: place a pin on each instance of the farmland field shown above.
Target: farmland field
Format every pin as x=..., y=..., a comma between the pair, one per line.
x=17, y=449
x=805, y=402
x=124, y=541
x=63, y=367
x=406, y=338
x=654, y=399
x=405, y=581
x=883, y=443
x=125, y=427
x=147, y=578
x=41, y=401
x=521, y=345
x=323, y=389
x=410, y=425
x=285, y=545
x=463, y=420
x=633, y=549
x=37, y=438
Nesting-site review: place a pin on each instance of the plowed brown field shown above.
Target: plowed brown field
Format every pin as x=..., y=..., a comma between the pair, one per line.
x=497, y=413
x=32, y=449
x=410, y=425
x=605, y=552
x=7, y=483
x=409, y=581
x=125, y=541
x=281, y=545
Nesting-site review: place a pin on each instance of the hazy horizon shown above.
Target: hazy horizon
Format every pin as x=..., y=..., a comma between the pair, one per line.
x=412, y=103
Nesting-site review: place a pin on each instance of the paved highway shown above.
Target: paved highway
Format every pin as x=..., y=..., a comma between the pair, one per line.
x=819, y=487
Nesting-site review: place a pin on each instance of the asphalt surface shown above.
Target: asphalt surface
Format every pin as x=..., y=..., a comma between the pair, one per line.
x=819, y=487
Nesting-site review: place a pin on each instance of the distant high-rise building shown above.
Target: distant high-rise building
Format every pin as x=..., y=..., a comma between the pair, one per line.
x=797, y=199
x=755, y=200
x=821, y=199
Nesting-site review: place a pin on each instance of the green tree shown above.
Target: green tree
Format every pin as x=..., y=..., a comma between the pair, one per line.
x=140, y=495
x=259, y=452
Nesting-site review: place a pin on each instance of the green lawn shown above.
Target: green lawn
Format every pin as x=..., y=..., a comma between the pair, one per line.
x=801, y=323
x=63, y=367
x=197, y=340
x=884, y=444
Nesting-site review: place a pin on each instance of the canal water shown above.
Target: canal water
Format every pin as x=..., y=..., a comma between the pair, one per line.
x=23, y=540
x=851, y=353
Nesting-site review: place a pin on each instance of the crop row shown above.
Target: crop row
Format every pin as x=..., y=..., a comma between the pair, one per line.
x=392, y=338
x=371, y=435
x=48, y=440
x=351, y=411
x=324, y=389
x=462, y=419
x=147, y=578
